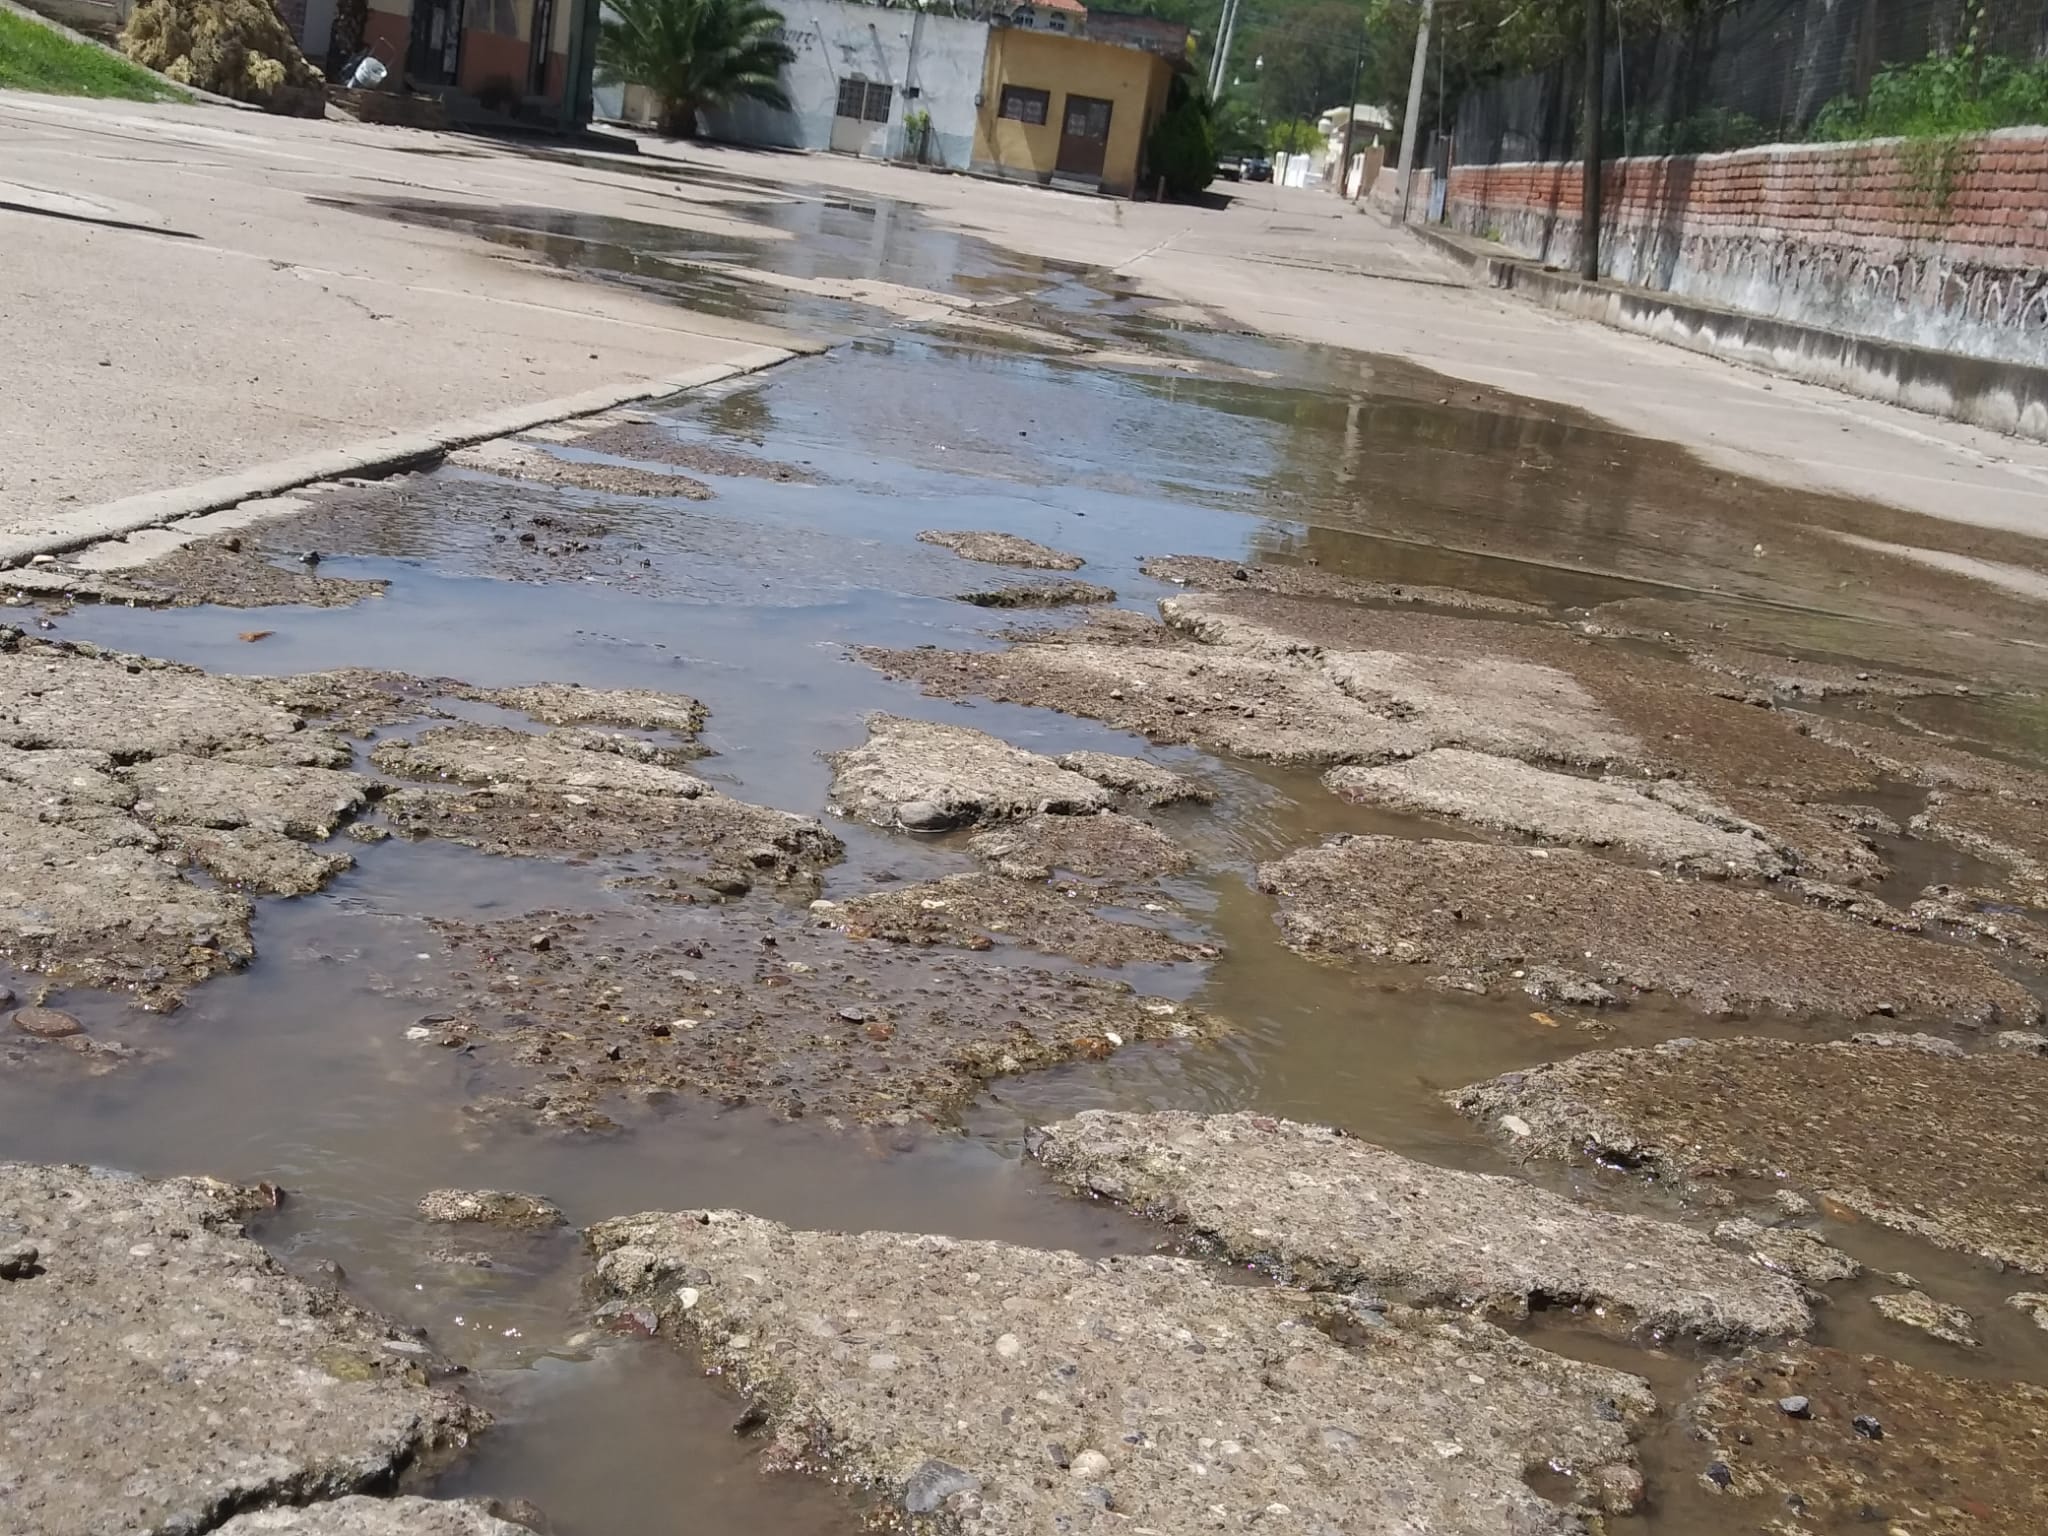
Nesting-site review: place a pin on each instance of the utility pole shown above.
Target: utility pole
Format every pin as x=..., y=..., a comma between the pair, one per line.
x=1412, y=123
x=1219, y=69
x=1596, y=83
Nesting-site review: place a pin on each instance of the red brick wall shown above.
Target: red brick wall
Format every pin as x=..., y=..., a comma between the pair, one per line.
x=1916, y=243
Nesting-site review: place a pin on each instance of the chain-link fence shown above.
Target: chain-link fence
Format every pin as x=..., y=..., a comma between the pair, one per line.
x=1778, y=71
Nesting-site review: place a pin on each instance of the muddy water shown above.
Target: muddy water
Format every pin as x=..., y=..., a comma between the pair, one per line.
x=300, y=1069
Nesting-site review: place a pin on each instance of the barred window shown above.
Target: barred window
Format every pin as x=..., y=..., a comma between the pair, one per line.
x=1024, y=105
x=865, y=100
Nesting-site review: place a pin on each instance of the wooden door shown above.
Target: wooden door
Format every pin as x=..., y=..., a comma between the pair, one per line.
x=1084, y=136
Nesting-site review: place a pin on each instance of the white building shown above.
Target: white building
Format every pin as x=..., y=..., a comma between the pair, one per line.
x=860, y=73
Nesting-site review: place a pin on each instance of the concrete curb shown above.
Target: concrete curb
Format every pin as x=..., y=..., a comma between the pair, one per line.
x=2001, y=397
x=379, y=456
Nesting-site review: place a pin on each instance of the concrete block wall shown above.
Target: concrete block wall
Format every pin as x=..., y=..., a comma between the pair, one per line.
x=940, y=57
x=1930, y=245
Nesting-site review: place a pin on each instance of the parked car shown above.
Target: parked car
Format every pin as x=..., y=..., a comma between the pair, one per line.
x=1230, y=170
x=1257, y=168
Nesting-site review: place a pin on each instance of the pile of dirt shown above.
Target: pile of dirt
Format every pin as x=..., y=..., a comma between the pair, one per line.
x=238, y=48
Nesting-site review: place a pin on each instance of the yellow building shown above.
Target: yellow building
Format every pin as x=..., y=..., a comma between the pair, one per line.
x=1061, y=108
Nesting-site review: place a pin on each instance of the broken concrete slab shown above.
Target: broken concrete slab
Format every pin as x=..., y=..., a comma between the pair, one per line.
x=81, y=698
x=972, y=911
x=1239, y=689
x=994, y=1390
x=1804, y=1255
x=1256, y=707
x=606, y=1016
x=1037, y=594
x=231, y=573
x=495, y=1207
x=1503, y=795
x=929, y=777
x=177, y=790
x=583, y=792
x=1930, y=760
x=2000, y=828
x=650, y=443
x=1146, y=783
x=1106, y=846
x=98, y=905
x=1937, y=1319
x=1924, y=1143
x=1925, y=1452
x=57, y=781
x=1983, y=914
x=357, y=1515
x=1315, y=1207
x=158, y=1368
x=708, y=840
x=1658, y=716
x=485, y=756
x=355, y=701
x=1001, y=549
x=1206, y=574
x=67, y=583
x=518, y=461
x=263, y=863
x=642, y=709
x=1478, y=914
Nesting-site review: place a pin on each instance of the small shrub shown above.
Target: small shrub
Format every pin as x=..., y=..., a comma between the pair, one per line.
x=1941, y=96
x=1181, y=149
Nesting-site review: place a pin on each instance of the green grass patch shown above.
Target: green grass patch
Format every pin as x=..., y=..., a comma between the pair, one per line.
x=34, y=58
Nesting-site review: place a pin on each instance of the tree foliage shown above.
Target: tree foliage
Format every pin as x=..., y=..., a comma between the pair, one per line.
x=1947, y=93
x=1303, y=60
x=1292, y=136
x=694, y=55
x=1181, y=150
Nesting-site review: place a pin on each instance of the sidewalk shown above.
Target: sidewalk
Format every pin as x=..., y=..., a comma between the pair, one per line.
x=181, y=305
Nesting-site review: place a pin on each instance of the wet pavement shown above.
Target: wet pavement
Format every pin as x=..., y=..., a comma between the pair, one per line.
x=328, y=1064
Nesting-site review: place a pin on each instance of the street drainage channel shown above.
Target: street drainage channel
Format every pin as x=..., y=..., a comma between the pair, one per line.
x=308, y=1067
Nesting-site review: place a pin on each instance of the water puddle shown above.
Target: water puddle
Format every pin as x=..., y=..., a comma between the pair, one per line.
x=302, y=1068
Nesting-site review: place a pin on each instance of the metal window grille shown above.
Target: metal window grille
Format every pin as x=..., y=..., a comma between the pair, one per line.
x=1024, y=104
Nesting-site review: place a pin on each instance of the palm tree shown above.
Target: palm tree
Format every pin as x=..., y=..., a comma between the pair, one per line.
x=694, y=54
